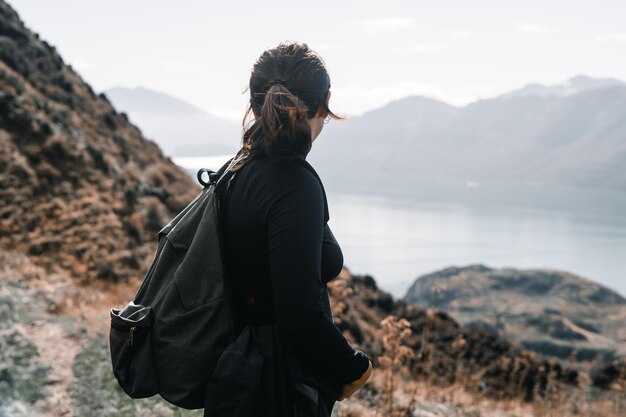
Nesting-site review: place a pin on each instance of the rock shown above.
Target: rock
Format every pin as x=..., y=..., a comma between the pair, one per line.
x=554, y=313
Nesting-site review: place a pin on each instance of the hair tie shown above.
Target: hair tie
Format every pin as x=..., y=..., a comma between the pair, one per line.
x=275, y=81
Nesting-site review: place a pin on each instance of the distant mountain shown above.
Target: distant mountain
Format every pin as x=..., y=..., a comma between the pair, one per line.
x=573, y=134
x=574, y=85
x=180, y=128
x=553, y=313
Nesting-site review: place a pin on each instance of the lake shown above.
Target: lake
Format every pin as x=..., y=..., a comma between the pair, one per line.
x=397, y=236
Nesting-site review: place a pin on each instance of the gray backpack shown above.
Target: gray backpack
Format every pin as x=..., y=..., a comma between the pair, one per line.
x=169, y=338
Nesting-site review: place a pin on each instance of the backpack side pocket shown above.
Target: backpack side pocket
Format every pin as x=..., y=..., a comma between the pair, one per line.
x=131, y=350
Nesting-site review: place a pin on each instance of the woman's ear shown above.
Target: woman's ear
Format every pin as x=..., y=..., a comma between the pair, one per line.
x=327, y=101
x=323, y=112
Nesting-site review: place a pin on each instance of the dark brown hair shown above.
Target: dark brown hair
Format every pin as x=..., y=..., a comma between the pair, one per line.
x=289, y=83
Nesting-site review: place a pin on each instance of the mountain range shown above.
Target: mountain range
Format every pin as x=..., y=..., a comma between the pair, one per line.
x=569, y=134
x=578, y=138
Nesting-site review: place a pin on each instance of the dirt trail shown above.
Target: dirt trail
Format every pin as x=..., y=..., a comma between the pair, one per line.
x=57, y=349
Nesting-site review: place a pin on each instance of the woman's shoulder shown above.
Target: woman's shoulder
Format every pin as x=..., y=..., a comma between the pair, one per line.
x=293, y=171
x=295, y=177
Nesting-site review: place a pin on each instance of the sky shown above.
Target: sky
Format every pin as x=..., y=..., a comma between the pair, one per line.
x=455, y=51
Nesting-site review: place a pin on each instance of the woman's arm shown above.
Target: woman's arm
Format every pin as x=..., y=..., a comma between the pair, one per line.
x=295, y=227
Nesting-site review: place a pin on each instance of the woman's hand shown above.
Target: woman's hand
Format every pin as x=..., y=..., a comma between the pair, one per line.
x=351, y=388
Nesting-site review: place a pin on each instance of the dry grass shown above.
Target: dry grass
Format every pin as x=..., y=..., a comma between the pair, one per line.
x=395, y=333
x=420, y=398
x=87, y=303
x=392, y=392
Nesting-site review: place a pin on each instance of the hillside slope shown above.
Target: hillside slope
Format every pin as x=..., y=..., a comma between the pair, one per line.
x=80, y=187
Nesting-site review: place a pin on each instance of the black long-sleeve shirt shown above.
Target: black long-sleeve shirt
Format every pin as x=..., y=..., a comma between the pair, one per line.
x=280, y=253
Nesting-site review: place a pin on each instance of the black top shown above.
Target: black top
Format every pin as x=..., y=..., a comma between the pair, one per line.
x=280, y=253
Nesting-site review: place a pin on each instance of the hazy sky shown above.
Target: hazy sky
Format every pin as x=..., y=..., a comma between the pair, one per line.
x=456, y=51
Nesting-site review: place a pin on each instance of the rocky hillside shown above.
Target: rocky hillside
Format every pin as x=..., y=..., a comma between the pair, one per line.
x=80, y=188
x=445, y=352
x=554, y=313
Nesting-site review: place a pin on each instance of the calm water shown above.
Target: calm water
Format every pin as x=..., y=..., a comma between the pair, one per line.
x=397, y=241
x=396, y=238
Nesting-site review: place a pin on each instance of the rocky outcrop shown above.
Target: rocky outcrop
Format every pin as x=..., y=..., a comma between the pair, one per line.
x=554, y=313
x=80, y=188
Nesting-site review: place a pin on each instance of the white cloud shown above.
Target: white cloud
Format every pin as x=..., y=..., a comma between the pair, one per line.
x=461, y=34
x=170, y=64
x=325, y=47
x=611, y=37
x=375, y=26
x=357, y=98
x=234, y=115
x=534, y=28
x=417, y=47
x=427, y=47
x=81, y=64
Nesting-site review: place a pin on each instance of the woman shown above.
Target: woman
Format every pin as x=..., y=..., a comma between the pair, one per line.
x=279, y=250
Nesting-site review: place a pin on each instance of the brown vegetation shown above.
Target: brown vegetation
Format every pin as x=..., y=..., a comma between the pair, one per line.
x=80, y=188
x=442, y=362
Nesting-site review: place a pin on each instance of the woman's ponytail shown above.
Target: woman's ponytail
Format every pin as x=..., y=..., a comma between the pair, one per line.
x=284, y=121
